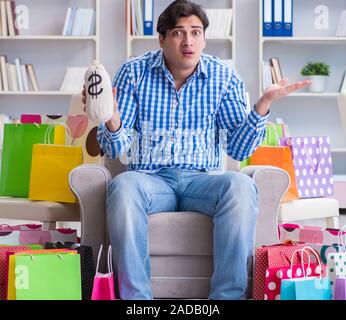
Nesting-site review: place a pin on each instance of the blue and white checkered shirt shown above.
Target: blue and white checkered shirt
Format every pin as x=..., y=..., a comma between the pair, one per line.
x=189, y=128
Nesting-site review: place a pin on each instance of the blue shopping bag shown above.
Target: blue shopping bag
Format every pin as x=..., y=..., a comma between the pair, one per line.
x=311, y=288
x=306, y=288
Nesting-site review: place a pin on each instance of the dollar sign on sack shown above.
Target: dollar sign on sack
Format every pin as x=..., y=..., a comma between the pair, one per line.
x=96, y=79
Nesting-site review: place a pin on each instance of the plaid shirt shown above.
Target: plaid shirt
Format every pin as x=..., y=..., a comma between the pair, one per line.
x=190, y=128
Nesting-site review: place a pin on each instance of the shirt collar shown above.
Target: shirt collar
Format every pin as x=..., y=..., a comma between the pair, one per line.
x=158, y=61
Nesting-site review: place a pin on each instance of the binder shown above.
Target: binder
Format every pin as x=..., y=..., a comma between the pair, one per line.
x=267, y=18
x=148, y=15
x=288, y=18
x=278, y=18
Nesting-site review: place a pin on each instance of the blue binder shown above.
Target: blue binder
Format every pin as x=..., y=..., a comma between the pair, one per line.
x=267, y=18
x=148, y=8
x=288, y=18
x=278, y=18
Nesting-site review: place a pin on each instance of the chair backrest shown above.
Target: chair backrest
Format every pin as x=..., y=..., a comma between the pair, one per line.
x=115, y=167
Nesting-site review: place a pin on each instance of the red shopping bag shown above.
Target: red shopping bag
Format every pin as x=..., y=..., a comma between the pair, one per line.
x=103, y=288
x=278, y=255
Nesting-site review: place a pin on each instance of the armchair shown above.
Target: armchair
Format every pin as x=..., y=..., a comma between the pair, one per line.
x=180, y=242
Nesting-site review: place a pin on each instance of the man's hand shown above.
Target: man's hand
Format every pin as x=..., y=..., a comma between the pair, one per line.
x=114, y=123
x=277, y=91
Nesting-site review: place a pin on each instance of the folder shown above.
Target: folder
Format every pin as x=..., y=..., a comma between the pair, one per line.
x=288, y=18
x=148, y=17
x=278, y=18
x=267, y=18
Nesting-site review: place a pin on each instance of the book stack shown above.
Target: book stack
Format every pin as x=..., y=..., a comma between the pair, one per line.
x=17, y=76
x=341, y=31
x=272, y=73
x=8, y=18
x=79, y=22
x=74, y=79
x=220, y=22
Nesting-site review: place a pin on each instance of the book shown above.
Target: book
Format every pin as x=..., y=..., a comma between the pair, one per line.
x=13, y=76
x=274, y=78
x=3, y=18
x=1, y=87
x=343, y=84
x=32, y=77
x=67, y=19
x=3, y=70
x=14, y=16
x=10, y=20
x=73, y=79
x=19, y=74
x=24, y=77
x=275, y=63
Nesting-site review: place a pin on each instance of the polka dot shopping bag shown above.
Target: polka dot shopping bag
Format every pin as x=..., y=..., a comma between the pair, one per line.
x=275, y=275
x=312, y=165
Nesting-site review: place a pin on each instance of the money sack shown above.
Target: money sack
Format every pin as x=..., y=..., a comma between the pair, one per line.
x=99, y=96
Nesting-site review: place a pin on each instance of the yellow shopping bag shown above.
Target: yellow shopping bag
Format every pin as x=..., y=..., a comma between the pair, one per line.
x=50, y=168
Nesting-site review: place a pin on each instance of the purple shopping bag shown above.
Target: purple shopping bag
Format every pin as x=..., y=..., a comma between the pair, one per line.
x=103, y=288
x=340, y=289
x=312, y=165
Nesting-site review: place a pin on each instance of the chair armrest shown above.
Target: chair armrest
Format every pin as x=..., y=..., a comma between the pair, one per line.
x=89, y=183
x=272, y=183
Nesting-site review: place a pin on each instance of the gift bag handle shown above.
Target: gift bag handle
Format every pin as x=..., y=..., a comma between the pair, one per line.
x=109, y=259
x=317, y=256
x=67, y=131
x=341, y=238
x=110, y=264
x=311, y=163
x=302, y=251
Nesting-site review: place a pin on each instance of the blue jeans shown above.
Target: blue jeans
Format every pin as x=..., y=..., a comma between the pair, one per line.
x=230, y=199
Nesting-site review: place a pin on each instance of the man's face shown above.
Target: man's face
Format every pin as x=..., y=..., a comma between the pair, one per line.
x=183, y=45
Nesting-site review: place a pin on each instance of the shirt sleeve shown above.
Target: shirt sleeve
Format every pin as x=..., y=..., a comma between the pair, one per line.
x=115, y=144
x=242, y=131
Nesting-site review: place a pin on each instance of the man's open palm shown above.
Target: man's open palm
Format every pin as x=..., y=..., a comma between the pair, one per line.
x=283, y=88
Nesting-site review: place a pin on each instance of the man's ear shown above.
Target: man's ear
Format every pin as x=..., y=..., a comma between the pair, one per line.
x=161, y=40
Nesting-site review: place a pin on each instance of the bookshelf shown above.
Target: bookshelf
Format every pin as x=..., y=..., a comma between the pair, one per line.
x=42, y=43
x=307, y=113
x=224, y=46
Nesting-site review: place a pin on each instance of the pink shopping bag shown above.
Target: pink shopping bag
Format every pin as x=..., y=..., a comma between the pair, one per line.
x=103, y=288
x=275, y=275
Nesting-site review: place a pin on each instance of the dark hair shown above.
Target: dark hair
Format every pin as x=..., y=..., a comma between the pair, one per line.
x=176, y=10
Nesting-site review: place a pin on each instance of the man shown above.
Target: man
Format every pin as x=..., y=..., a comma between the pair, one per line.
x=173, y=108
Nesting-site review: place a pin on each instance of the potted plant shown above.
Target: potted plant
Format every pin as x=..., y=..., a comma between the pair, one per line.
x=317, y=72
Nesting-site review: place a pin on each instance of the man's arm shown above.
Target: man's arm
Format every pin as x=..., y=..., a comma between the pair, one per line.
x=244, y=131
x=116, y=135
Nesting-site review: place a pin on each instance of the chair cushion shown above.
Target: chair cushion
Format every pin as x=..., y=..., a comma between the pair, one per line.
x=45, y=211
x=304, y=209
x=180, y=233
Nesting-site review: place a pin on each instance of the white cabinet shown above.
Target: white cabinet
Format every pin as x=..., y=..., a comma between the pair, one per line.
x=314, y=39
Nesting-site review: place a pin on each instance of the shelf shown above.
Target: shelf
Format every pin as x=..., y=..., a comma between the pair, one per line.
x=317, y=40
x=338, y=150
x=94, y=38
x=133, y=38
x=37, y=93
x=311, y=94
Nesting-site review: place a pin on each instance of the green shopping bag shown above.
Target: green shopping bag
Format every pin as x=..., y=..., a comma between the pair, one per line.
x=273, y=133
x=16, y=157
x=51, y=276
